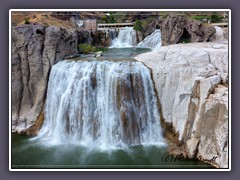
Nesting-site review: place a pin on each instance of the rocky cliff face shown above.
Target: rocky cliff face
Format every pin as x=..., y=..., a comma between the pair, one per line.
x=177, y=29
x=34, y=50
x=192, y=85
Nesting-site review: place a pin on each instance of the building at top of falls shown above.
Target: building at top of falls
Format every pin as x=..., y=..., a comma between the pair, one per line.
x=102, y=104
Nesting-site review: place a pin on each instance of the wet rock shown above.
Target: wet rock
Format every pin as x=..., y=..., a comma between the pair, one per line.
x=98, y=54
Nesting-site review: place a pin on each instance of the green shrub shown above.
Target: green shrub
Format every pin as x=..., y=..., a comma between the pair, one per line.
x=110, y=18
x=85, y=48
x=46, y=25
x=201, y=17
x=26, y=21
x=216, y=18
x=138, y=26
x=213, y=18
x=88, y=48
x=146, y=22
x=103, y=49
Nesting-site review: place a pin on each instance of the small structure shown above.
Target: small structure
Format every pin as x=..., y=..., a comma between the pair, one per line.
x=87, y=24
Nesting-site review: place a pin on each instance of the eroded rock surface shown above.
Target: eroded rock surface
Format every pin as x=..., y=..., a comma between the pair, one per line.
x=34, y=50
x=192, y=85
x=177, y=29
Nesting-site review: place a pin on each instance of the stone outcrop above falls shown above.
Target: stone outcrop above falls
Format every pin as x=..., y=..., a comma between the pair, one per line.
x=35, y=49
x=192, y=85
x=179, y=29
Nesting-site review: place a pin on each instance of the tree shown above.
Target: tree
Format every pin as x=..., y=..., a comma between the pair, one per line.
x=138, y=26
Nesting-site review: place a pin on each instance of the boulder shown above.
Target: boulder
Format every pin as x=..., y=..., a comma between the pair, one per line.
x=35, y=49
x=192, y=85
x=98, y=54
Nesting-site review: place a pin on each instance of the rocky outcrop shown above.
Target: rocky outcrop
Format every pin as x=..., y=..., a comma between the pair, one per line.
x=179, y=29
x=192, y=85
x=84, y=36
x=101, y=38
x=34, y=50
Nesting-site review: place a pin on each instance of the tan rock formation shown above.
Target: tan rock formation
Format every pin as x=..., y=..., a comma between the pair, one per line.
x=192, y=85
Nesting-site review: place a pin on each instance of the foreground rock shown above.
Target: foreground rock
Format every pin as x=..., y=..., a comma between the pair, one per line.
x=192, y=85
x=34, y=50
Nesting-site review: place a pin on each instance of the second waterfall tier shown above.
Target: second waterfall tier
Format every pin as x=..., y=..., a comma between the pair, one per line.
x=101, y=103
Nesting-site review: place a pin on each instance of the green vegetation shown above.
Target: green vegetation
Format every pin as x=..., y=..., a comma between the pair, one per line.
x=26, y=21
x=120, y=18
x=138, y=26
x=213, y=18
x=146, y=22
x=46, y=25
x=88, y=48
x=109, y=18
x=85, y=48
x=216, y=18
x=103, y=49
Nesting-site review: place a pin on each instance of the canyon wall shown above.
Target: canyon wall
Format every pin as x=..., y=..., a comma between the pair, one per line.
x=35, y=49
x=179, y=29
x=192, y=85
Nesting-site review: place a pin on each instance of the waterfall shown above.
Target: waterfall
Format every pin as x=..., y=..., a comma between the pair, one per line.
x=153, y=41
x=104, y=104
x=219, y=34
x=112, y=33
x=126, y=38
x=79, y=22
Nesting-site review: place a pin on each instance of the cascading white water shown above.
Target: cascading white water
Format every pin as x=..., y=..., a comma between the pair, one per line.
x=126, y=38
x=79, y=22
x=112, y=33
x=102, y=104
x=219, y=34
x=153, y=41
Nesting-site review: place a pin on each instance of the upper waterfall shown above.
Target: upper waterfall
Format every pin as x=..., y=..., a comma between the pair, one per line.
x=152, y=41
x=219, y=35
x=102, y=104
x=126, y=38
